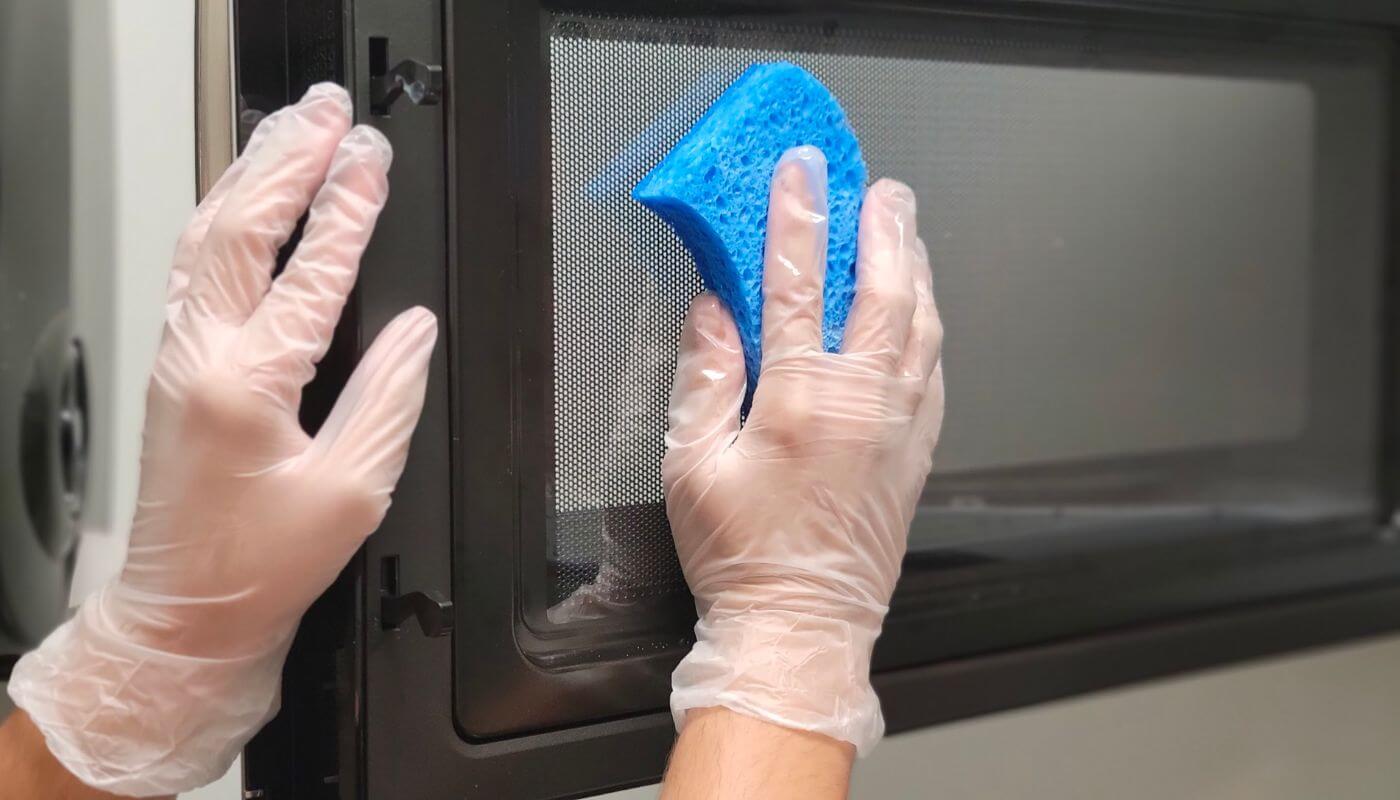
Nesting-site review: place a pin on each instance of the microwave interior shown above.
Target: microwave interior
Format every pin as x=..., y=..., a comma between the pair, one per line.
x=1159, y=243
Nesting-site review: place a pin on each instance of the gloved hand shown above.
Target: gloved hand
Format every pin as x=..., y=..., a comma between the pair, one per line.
x=792, y=528
x=242, y=519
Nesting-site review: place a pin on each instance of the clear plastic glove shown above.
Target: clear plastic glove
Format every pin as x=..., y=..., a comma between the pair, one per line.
x=792, y=529
x=242, y=519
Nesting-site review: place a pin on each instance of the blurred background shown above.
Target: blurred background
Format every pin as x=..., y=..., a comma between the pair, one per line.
x=97, y=178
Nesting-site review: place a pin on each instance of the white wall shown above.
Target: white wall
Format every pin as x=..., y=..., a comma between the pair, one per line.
x=133, y=188
x=1320, y=725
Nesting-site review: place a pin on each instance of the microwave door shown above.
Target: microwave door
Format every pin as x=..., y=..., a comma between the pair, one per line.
x=1159, y=247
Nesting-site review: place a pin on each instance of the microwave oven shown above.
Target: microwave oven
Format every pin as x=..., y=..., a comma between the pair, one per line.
x=1163, y=239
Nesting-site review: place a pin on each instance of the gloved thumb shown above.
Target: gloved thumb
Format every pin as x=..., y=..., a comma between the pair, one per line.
x=366, y=435
x=708, y=391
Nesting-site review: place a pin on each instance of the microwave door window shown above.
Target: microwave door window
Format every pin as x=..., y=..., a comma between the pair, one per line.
x=1127, y=255
x=1159, y=281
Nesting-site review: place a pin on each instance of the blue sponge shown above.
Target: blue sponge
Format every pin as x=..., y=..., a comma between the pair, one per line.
x=712, y=188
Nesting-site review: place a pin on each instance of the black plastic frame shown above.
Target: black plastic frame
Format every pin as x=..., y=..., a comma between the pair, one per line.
x=390, y=713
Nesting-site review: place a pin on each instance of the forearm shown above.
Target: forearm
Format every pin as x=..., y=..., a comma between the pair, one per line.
x=725, y=755
x=29, y=770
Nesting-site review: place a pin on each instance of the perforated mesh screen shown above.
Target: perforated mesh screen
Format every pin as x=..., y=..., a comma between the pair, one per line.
x=622, y=282
x=1121, y=255
x=622, y=93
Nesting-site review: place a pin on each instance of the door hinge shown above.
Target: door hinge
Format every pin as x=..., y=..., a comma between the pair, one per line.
x=434, y=612
x=422, y=83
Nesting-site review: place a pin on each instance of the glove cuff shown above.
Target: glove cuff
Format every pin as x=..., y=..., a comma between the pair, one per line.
x=136, y=721
x=793, y=669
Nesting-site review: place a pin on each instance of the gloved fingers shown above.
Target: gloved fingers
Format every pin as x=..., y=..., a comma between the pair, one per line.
x=928, y=419
x=925, y=342
x=794, y=255
x=293, y=325
x=367, y=433
x=192, y=238
x=885, y=297
x=708, y=389
x=235, y=264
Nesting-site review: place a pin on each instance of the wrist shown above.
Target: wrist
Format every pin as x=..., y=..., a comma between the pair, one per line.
x=718, y=748
x=798, y=669
x=219, y=629
x=131, y=718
